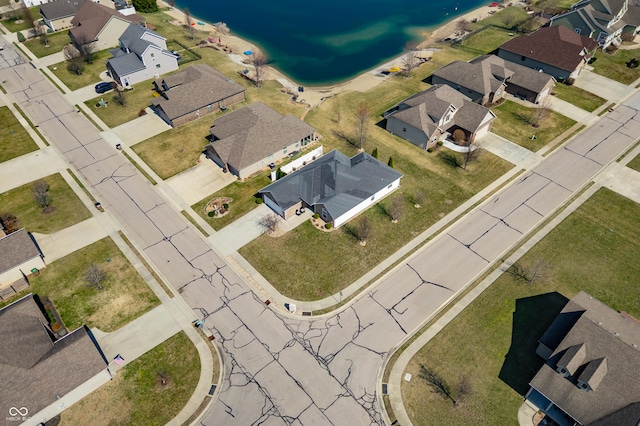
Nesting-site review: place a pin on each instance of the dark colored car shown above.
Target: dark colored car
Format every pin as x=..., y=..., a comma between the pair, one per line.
x=104, y=87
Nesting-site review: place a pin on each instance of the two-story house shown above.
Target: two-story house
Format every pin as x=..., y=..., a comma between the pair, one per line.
x=602, y=20
x=429, y=116
x=101, y=25
x=142, y=55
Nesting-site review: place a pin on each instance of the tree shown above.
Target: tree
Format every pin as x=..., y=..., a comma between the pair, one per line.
x=459, y=136
x=391, y=163
x=538, y=270
x=258, y=60
x=41, y=31
x=338, y=110
x=472, y=153
x=417, y=198
x=172, y=3
x=9, y=222
x=463, y=388
x=397, y=207
x=163, y=377
x=540, y=112
x=464, y=26
x=362, y=114
x=437, y=383
x=28, y=19
x=410, y=59
x=75, y=63
x=86, y=47
x=145, y=6
x=121, y=96
x=41, y=194
x=94, y=276
x=530, y=25
x=191, y=28
x=364, y=229
x=374, y=153
x=269, y=223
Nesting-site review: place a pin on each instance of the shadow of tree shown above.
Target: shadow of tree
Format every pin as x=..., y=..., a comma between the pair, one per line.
x=450, y=159
x=345, y=137
x=532, y=317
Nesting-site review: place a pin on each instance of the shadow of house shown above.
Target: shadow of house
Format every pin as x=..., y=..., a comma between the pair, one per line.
x=533, y=315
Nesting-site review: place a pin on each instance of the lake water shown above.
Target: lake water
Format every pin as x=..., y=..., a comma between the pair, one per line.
x=330, y=41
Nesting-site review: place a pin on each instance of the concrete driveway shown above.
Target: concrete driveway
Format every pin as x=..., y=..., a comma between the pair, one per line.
x=142, y=128
x=510, y=151
x=568, y=110
x=604, y=87
x=200, y=181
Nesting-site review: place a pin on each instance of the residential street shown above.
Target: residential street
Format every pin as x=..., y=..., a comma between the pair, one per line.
x=324, y=370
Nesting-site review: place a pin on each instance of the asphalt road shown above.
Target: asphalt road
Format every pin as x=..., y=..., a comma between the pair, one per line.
x=283, y=370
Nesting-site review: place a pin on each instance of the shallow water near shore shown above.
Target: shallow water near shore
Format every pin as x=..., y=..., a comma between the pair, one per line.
x=327, y=42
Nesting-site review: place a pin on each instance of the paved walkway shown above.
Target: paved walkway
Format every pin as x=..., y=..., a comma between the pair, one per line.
x=39, y=164
x=64, y=242
x=200, y=181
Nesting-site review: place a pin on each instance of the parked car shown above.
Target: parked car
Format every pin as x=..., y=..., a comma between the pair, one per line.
x=104, y=87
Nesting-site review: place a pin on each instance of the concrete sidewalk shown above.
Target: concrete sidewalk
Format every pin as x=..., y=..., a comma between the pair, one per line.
x=64, y=242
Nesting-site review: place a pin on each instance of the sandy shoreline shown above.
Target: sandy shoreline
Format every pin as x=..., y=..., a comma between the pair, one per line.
x=361, y=83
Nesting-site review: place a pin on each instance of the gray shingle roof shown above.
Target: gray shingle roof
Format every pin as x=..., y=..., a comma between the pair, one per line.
x=334, y=180
x=16, y=248
x=60, y=9
x=605, y=334
x=250, y=134
x=557, y=46
x=478, y=75
x=125, y=63
x=49, y=368
x=92, y=17
x=193, y=88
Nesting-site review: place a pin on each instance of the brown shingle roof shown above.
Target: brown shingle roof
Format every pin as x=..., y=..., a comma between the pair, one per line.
x=250, y=134
x=92, y=17
x=16, y=248
x=557, y=46
x=68, y=362
x=193, y=88
x=603, y=333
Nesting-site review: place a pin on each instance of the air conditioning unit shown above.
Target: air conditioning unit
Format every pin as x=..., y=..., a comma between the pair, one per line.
x=156, y=76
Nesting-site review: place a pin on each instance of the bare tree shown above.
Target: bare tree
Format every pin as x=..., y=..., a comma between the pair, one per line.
x=222, y=28
x=163, y=377
x=258, y=60
x=463, y=388
x=363, y=112
x=269, y=223
x=121, y=96
x=337, y=108
x=437, y=383
x=94, y=276
x=472, y=153
x=410, y=59
x=464, y=26
x=191, y=28
x=538, y=270
x=41, y=194
x=75, y=63
x=397, y=207
x=87, y=48
x=459, y=136
x=539, y=112
x=417, y=198
x=28, y=19
x=9, y=222
x=364, y=229
x=41, y=31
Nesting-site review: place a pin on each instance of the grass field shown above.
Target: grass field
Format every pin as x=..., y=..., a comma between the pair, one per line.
x=512, y=124
x=14, y=139
x=114, y=114
x=635, y=163
x=134, y=396
x=56, y=42
x=614, y=66
x=487, y=40
x=125, y=295
x=492, y=342
x=337, y=259
x=90, y=75
x=578, y=97
x=67, y=207
x=17, y=23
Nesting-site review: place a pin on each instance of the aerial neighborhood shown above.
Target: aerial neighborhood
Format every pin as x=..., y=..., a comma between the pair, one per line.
x=188, y=236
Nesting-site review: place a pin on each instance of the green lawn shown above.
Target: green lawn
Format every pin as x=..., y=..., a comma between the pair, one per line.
x=635, y=163
x=114, y=114
x=507, y=18
x=614, y=66
x=56, y=42
x=14, y=139
x=125, y=295
x=90, y=75
x=578, y=97
x=67, y=207
x=493, y=341
x=135, y=396
x=17, y=23
x=338, y=259
x=512, y=124
x=487, y=40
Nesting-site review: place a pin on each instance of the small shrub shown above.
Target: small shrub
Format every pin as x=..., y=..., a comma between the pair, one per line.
x=142, y=113
x=258, y=200
x=328, y=225
x=374, y=153
x=225, y=206
x=211, y=213
x=316, y=215
x=55, y=327
x=570, y=81
x=21, y=37
x=440, y=143
x=391, y=163
x=429, y=149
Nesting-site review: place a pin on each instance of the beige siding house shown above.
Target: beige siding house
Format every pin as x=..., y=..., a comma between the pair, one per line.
x=249, y=139
x=101, y=25
x=194, y=92
x=58, y=14
x=19, y=256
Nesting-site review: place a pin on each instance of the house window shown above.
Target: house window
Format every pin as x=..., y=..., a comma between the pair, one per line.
x=522, y=58
x=153, y=56
x=404, y=129
x=373, y=197
x=284, y=150
x=447, y=118
x=209, y=108
x=577, y=30
x=390, y=185
x=324, y=213
x=297, y=144
x=158, y=66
